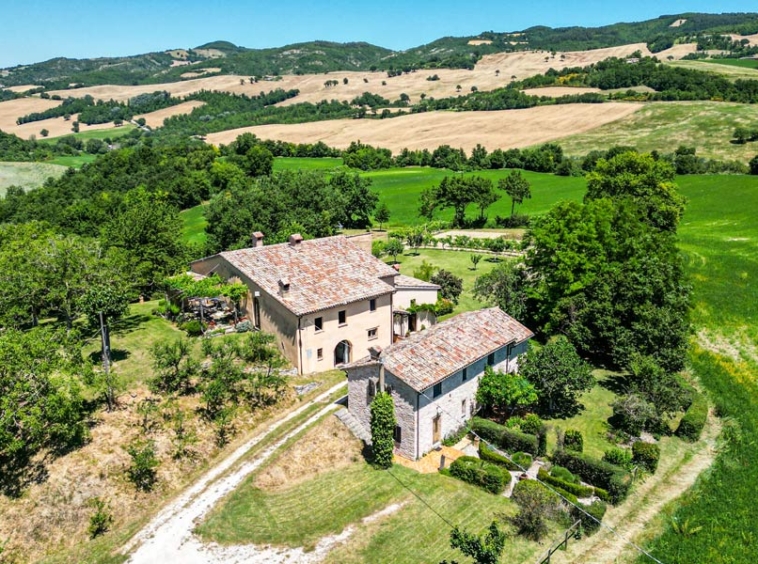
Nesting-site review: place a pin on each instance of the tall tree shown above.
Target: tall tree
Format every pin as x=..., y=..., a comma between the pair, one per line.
x=505, y=286
x=382, y=429
x=458, y=192
x=484, y=549
x=517, y=187
x=382, y=214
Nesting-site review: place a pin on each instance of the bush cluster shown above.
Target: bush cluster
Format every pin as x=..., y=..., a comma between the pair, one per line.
x=646, y=455
x=694, y=419
x=573, y=440
x=486, y=453
x=523, y=460
x=508, y=439
x=577, y=490
x=610, y=477
x=618, y=456
x=596, y=509
x=480, y=473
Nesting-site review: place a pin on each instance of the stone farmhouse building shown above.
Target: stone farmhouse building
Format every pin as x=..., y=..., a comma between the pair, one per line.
x=433, y=375
x=327, y=300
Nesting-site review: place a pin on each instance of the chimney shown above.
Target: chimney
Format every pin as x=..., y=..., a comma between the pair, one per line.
x=295, y=239
x=257, y=239
x=284, y=286
x=375, y=352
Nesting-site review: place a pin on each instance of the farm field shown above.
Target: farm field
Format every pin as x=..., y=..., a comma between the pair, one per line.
x=499, y=129
x=27, y=175
x=74, y=161
x=741, y=63
x=663, y=126
x=155, y=119
x=730, y=71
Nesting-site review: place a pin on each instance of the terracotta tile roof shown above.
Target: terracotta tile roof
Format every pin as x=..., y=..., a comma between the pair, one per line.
x=321, y=273
x=403, y=281
x=430, y=356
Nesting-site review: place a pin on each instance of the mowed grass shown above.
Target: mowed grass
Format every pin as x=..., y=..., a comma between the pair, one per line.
x=193, y=224
x=27, y=175
x=110, y=133
x=401, y=189
x=300, y=515
x=74, y=161
x=730, y=71
x=663, y=126
x=719, y=235
x=457, y=262
x=741, y=63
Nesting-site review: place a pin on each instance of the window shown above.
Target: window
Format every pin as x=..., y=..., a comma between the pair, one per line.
x=509, y=350
x=463, y=408
x=437, y=390
x=319, y=324
x=491, y=360
x=342, y=317
x=465, y=374
x=398, y=434
x=319, y=354
x=371, y=388
x=372, y=333
x=372, y=305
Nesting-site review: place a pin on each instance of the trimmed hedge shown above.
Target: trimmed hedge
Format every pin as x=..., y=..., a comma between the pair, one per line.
x=480, y=473
x=563, y=474
x=646, y=455
x=573, y=440
x=486, y=453
x=523, y=459
x=618, y=456
x=508, y=439
x=610, y=477
x=542, y=440
x=576, y=489
x=694, y=418
x=596, y=509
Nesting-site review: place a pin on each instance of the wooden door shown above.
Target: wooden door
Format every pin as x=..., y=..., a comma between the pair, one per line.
x=436, y=428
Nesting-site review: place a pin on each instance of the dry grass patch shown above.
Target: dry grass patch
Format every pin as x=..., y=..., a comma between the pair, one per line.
x=155, y=119
x=328, y=446
x=11, y=110
x=502, y=129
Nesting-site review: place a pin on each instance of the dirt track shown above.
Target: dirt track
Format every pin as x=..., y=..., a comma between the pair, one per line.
x=502, y=129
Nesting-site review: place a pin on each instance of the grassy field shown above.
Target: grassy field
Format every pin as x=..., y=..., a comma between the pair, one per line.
x=719, y=236
x=74, y=161
x=740, y=63
x=297, y=163
x=27, y=175
x=111, y=133
x=663, y=126
x=194, y=224
x=301, y=514
x=401, y=189
x=730, y=71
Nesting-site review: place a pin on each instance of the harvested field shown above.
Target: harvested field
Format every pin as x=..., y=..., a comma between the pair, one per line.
x=22, y=88
x=27, y=175
x=200, y=73
x=155, y=119
x=13, y=109
x=57, y=127
x=753, y=39
x=558, y=91
x=502, y=129
x=521, y=64
x=480, y=42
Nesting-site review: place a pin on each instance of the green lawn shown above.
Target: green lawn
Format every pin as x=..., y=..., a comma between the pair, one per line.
x=302, y=514
x=74, y=161
x=741, y=63
x=457, y=262
x=663, y=126
x=194, y=223
x=729, y=70
x=302, y=163
x=401, y=189
x=110, y=133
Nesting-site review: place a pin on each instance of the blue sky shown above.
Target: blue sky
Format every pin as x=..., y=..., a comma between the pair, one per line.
x=37, y=30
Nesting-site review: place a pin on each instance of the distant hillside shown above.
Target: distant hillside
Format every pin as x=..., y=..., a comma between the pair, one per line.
x=223, y=57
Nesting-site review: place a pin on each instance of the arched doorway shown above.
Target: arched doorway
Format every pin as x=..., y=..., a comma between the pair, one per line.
x=342, y=353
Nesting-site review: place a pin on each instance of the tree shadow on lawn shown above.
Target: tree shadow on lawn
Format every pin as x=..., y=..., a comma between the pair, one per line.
x=130, y=323
x=117, y=355
x=616, y=383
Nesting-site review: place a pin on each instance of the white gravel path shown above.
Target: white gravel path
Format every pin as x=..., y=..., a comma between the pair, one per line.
x=169, y=538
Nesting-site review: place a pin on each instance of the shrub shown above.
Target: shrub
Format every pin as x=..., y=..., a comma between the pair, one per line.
x=523, y=460
x=694, y=419
x=573, y=440
x=616, y=480
x=142, y=471
x=193, y=328
x=646, y=455
x=542, y=440
x=488, y=430
x=577, y=490
x=514, y=423
x=486, y=453
x=480, y=473
x=512, y=221
x=536, y=505
x=591, y=522
x=563, y=474
x=531, y=424
x=618, y=456
x=456, y=436
x=244, y=327
x=101, y=520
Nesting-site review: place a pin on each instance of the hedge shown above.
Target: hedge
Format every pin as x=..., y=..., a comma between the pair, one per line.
x=486, y=453
x=573, y=440
x=694, y=418
x=596, y=509
x=563, y=474
x=610, y=477
x=646, y=455
x=508, y=439
x=577, y=489
x=523, y=459
x=480, y=473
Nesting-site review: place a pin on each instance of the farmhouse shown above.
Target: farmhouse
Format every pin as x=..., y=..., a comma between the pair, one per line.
x=327, y=300
x=434, y=374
